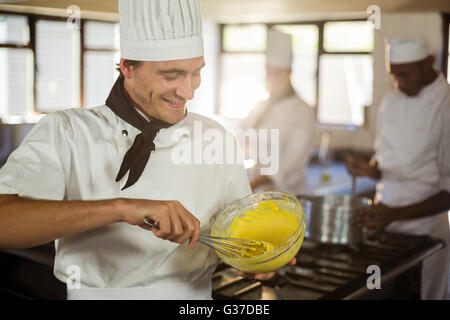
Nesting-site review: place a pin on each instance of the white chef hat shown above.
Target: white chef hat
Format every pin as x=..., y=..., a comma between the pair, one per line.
x=278, y=49
x=405, y=50
x=160, y=30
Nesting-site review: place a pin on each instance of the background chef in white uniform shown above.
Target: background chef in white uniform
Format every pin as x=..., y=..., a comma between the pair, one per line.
x=88, y=177
x=286, y=111
x=412, y=158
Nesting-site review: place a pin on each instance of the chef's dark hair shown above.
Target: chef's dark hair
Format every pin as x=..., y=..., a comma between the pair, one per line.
x=134, y=63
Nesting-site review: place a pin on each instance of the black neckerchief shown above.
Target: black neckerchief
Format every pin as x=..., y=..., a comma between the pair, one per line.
x=137, y=156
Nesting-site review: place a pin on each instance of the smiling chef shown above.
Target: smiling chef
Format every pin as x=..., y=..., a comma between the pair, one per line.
x=88, y=178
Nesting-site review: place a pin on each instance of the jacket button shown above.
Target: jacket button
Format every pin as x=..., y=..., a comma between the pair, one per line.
x=124, y=133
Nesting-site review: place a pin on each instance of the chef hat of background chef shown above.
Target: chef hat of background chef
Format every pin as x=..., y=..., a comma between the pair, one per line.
x=405, y=50
x=160, y=30
x=278, y=49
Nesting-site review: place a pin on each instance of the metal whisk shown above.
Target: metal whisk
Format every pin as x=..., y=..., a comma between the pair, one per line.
x=234, y=247
x=231, y=247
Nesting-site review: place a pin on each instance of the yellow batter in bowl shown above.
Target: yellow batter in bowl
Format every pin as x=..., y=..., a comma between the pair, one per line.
x=266, y=222
x=278, y=221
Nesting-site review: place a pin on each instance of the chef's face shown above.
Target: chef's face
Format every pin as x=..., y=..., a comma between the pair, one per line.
x=409, y=77
x=277, y=79
x=162, y=88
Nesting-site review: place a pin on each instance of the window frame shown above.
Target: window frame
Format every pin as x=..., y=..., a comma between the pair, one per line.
x=31, y=46
x=445, y=44
x=84, y=49
x=32, y=19
x=320, y=51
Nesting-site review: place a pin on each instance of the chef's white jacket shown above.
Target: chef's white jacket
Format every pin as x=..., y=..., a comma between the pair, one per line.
x=413, y=153
x=297, y=133
x=75, y=155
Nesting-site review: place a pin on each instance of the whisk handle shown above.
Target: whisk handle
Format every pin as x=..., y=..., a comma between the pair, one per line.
x=150, y=222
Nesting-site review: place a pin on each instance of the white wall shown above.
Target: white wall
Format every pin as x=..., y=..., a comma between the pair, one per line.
x=425, y=25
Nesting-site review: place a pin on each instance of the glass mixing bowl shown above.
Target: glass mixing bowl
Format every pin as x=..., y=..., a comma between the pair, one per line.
x=280, y=255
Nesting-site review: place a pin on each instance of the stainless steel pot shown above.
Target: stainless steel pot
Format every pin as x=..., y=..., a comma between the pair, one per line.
x=330, y=219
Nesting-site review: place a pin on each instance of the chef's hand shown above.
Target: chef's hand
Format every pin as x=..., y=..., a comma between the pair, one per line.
x=362, y=168
x=262, y=276
x=375, y=217
x=175, y=223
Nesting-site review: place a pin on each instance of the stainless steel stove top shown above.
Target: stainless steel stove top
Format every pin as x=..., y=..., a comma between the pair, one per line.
x=331, y=271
